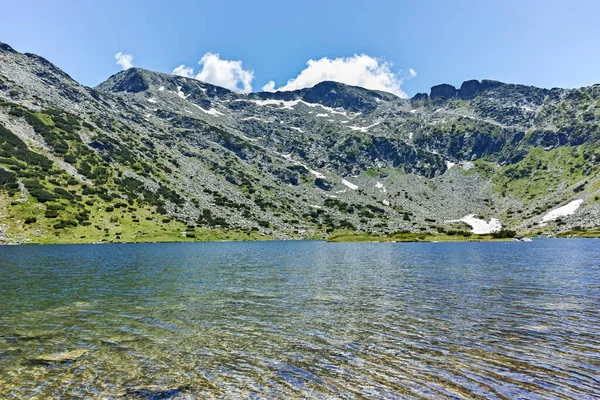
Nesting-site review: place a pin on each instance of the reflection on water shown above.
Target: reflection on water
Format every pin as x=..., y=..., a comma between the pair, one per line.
x=301, y=320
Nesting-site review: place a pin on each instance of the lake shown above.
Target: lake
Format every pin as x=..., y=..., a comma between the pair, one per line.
x=301, y=320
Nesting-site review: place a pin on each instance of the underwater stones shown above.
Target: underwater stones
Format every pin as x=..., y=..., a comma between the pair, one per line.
x=59, y=358
x=121, y=340
x=31, y=336
x=158, y=393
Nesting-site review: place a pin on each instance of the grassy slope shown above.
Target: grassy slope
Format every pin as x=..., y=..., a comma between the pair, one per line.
x=52, y=206
x=409, y=237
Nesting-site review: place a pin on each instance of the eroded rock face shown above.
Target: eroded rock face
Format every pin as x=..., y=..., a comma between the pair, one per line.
x=469, y=89
x=488, y=84
x=443, y=91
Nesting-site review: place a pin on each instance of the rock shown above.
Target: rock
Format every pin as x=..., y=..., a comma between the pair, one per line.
x=420, y=97
x=59, y=358
x=6, y=48
x=469, y=89
x=131, y=80
x=157, y=392
x=323, y=184
x=443, y=91
x=488, y=84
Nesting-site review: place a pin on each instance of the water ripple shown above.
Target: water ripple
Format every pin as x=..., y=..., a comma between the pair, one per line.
x=302, y=320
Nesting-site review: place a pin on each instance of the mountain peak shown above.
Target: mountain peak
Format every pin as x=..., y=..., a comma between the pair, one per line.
x=131, y=80
x=6, y=48
x=333, y=94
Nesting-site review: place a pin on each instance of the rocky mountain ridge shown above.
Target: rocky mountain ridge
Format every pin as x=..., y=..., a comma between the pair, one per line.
x=187, y=159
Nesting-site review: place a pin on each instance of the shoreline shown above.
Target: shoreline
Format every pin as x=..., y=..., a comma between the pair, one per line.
x=342, y=239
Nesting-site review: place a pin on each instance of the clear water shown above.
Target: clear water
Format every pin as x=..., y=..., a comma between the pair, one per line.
x=301, y=320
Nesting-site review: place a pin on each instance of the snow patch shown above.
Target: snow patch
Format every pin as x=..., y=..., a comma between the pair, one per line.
x=363, y=128
x=317, y=174
x=385, y=202
x=413, y=111
x=563, y=211
x=281, y=103
x=289, y=104
x=450, y=164
x=162, y=88
x=379, y=185
x=322, y=115
x=349, y=184
x=181, y=94
x=297, y=129
x=256, y=119
x=480, y=226
x=212, y=111
x=151, y=100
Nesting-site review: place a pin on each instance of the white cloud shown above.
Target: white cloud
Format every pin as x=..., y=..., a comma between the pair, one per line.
x=269, y=87
x=124, y=60
x=182, y=70
x=412, y=72
x=226, y=73
x=358, y=70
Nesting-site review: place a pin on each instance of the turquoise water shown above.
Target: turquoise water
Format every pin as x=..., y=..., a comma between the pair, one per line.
x=301, y=320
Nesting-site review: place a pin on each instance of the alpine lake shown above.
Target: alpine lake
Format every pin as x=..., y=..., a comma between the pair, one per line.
x=301, y=319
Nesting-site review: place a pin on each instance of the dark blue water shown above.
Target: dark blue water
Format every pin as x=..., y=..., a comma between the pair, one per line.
x=301, y=320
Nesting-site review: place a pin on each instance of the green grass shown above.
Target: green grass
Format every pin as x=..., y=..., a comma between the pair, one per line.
x=575, y=233
x=408, y=237
x=543, y=173
x=134, y=223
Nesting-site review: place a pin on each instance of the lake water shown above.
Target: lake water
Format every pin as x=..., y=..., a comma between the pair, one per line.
x=301, y=320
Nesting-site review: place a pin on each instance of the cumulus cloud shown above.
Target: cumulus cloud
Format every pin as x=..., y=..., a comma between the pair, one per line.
x=358, y=70
x=125, y=61
x=269, y=87
x=182, y=70
x=226, y=73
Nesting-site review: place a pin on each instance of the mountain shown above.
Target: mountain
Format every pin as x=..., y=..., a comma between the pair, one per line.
x=149, y=156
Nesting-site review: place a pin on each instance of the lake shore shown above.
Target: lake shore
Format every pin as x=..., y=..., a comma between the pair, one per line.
x=221, y=236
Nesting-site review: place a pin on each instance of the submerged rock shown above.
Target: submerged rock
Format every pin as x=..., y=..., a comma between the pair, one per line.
x=158, y=393
x=59, y=358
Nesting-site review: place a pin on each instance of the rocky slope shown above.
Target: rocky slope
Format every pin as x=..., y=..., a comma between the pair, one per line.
x=152, y=156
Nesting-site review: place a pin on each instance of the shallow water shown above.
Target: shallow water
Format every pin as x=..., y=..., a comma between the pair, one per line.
x=301, y=320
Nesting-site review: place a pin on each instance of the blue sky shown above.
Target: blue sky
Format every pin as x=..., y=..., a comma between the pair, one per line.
x=543, y=43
